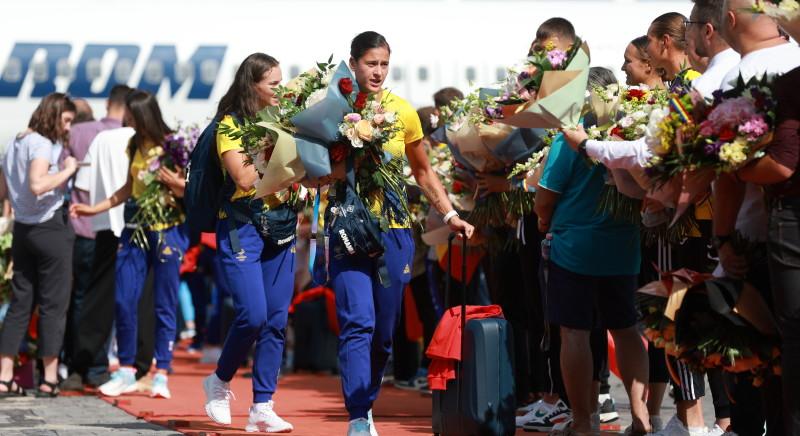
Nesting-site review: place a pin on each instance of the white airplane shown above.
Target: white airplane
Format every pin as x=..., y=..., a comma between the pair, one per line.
x=187, y=51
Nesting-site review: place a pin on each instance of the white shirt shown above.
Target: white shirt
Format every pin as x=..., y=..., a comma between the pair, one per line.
x=619, y=154
x=719, y=66
x=107, y=172
x=752, y=221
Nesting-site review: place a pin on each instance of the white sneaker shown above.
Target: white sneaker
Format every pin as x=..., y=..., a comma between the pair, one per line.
x=160, y=388
x=372, y=430
x=559, y=414
x=264, y=419
x=123, y=381
x=218, y=395
x=359, y=427
x=537, y=410
x=676, y=428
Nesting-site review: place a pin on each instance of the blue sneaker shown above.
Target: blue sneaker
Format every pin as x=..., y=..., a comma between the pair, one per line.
x=358, y=427
x=160, y=389
x=123, y=381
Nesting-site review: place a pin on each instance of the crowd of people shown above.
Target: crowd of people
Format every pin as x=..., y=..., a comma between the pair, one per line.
x=113, y=299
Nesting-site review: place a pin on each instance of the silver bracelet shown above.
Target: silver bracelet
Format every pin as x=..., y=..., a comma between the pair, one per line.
x=449, y=215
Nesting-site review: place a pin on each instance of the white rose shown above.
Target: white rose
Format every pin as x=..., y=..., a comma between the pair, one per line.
x=316, y=97
x=639, y=115
x=391, y=117
x=626, y=122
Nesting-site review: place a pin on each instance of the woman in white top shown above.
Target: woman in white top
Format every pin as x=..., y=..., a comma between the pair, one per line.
x=43, y=239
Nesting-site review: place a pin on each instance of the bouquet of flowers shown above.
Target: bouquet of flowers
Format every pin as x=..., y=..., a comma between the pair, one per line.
x=378, y=174
x=660, y=300
x=783, y=9
x=622, y=114
x=549, y=93
x=285, y=143
x=726, y=324
x=738, y=125
x=157, y=205
x=473, y=133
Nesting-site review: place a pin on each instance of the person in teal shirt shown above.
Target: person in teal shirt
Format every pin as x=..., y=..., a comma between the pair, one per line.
x=591, y=278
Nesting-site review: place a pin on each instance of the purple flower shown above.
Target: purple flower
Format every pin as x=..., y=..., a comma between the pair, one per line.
x=712, y=149
x=494, y=112
x=754, y=128
x=556, y=57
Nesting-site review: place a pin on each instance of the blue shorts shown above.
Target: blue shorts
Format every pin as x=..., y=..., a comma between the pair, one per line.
x=583, y=302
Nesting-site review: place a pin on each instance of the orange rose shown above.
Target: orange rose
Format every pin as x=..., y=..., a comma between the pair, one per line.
x=364, y=130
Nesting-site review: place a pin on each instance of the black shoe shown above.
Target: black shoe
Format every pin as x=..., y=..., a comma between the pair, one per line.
x=607, y=409
x=72, y=383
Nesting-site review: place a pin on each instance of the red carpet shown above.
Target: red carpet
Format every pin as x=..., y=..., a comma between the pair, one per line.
x=312, y=403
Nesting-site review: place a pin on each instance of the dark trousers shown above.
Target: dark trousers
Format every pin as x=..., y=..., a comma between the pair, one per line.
x=42, y=255
x=82, y=263
x=405, y=352
x=426, y=309
x=92, y=331
x=146, y=328
x=784, y=266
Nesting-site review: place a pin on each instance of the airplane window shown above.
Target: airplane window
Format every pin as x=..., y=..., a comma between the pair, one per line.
x=123, y=70
x=183, y=70
x=471, y=74
x=93, y=68
x=13, y=70
x=63, y=68
x=153, y=71
x=209, y=69
x=397, y=74
x=422, y=74
x=40, y=73
x=294, y=71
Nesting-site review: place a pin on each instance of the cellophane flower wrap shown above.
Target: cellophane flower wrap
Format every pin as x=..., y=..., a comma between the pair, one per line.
x=269, y=140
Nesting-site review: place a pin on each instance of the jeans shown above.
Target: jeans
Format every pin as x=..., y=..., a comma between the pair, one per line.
x=784, y=265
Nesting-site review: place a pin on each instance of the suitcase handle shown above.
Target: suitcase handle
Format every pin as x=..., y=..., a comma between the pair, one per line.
x=448, y=289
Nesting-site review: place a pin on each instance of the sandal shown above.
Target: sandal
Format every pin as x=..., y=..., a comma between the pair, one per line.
x=52, y=393
x=12, y=389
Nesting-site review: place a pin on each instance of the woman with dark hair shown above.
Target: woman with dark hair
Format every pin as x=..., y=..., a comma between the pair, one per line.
x=637, y=66
x=667, y=48
x=164, y=251
x=43, y=238
x=368, y=309
x=257, y=263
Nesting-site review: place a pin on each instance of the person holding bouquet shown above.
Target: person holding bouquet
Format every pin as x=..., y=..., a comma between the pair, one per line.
x=43, y=238
x=258, y=264
x=368, y=307
x=153, y=238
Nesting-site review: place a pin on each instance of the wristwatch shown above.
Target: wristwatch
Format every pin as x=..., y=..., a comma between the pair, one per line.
x=719, y=241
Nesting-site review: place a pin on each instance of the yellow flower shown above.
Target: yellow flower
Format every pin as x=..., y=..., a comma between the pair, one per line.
x=733, y=152
x=550, y=45
x=364, y=130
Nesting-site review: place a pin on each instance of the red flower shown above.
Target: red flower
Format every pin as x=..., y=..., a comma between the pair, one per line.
x=726, y=134
x=635, y=93
x=361, y=101
x=617, y=131
x=346, y=86
x=458, y=187
x=339, y=151
x=295, y=187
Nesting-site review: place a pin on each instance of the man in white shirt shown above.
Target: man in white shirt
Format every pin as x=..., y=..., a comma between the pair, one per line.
x=105, y=171
x=702, y=28
x=764, y=51
x=741, y=207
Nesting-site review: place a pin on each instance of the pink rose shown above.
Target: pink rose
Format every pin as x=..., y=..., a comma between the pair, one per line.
x=378, y=119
